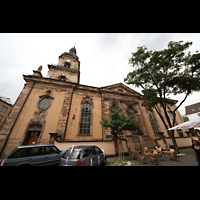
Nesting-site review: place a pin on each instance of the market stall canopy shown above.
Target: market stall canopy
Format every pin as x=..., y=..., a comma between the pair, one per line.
x=189, y=124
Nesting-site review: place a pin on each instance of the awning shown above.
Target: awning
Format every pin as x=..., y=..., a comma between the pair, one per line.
x=189, y=124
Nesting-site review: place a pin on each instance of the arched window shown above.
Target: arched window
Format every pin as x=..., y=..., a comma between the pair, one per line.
x=153, y=122
x=130, y=112
x=62, y=78
x=85, y=119
x=67, y=64
x=113, y=107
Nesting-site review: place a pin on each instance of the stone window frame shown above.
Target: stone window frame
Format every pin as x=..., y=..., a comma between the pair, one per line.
x=113, y=104
x=154, y=123
x=47, y=96
x=179, y=131
x=29, y=128
x=86, y=117
x=134, y=116
x=47, y=106
x=4, y=109
x=67, y=64
x=1, y=117
x=86, y=100
x=130, y=105
x=62, y=78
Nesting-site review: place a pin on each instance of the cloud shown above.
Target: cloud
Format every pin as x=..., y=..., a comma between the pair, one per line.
x=104, y=57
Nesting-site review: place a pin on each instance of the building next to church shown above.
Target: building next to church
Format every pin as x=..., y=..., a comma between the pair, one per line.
x=192, y=111
x=5, y=108
x=45, y=107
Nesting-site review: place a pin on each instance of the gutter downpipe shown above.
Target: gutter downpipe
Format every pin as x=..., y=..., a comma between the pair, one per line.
x=69, y=112
x=101, y=108
x=16, y=119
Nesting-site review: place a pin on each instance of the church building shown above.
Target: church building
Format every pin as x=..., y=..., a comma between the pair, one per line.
x=57, y=109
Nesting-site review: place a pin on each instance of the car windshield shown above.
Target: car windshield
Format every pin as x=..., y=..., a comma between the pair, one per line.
x=75, y=154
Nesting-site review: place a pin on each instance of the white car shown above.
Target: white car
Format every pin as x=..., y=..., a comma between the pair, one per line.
x=83, y=156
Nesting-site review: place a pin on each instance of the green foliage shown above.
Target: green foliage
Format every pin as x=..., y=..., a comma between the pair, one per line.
x=185, y=118
x=119, y=122
x=161, y=73
x=165, y=72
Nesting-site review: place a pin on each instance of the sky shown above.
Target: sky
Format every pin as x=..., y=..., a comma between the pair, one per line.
x=104, y=57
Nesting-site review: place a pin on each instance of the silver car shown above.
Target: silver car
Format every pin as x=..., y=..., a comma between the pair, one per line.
x=83, y=156
x=34, y=155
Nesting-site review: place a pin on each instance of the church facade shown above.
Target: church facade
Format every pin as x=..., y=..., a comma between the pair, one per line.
x=47, y=106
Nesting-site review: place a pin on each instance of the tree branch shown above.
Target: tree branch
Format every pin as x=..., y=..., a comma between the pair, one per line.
x=182, y=101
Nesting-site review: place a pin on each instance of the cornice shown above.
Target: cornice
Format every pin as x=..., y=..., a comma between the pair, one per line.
x=42, y=80
x=67, y=69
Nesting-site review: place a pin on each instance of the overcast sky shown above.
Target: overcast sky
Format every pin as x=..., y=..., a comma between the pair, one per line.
x=103, y=57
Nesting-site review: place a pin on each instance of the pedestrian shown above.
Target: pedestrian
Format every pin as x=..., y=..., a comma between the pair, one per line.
x=196, y=147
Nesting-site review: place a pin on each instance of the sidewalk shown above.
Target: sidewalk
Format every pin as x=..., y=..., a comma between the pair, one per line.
x=186, y=160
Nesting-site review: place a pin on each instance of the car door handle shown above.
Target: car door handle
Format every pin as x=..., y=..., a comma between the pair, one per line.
x=29, y=159
x=47, y=157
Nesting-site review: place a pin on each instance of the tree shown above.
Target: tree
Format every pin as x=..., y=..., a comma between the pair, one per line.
x=185, y=118
x=118, y=123
x=165, y=72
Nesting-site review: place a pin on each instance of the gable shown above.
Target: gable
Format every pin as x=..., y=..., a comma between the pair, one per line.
x=121, y=88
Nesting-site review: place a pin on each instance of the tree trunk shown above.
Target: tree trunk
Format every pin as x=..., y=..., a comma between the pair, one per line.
x=170, y=126
x=121, y=151
x=174, y=141
x=116, y=144
x=119, y=145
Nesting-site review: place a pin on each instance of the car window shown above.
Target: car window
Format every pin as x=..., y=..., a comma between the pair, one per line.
x=88, y=152
x=97, y=150
x=75, y=154
x=37, y=151
x=20, y=153
x=51, y=150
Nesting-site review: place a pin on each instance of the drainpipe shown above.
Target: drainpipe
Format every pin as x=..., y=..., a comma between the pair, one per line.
x=101, y=107
x=16, y=120
x=68, y=113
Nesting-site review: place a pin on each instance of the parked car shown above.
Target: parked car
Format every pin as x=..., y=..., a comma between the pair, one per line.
x=83, y=156
x=34, y=155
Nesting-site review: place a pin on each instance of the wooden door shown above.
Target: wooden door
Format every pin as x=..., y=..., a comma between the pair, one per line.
x=33, y=137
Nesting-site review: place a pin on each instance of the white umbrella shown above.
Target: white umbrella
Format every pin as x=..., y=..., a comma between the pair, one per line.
x=189, y=124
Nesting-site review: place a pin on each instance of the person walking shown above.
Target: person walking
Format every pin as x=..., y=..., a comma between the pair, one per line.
x=196, y=148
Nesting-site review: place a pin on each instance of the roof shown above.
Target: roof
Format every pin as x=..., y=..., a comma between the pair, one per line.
x=6, y=100
x=83, y=147
x=121, y=86
x=36, y=145
x=194, y=108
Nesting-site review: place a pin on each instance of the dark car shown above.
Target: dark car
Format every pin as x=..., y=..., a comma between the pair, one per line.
x=83, y=156
x=34, y=155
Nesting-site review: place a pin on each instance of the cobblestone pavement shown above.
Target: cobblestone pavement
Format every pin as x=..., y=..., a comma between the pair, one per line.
x=187, y=159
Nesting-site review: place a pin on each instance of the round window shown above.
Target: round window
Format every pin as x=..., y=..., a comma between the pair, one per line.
x=45, y=103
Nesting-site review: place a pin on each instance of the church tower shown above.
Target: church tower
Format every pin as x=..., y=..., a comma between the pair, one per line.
x=67, y=69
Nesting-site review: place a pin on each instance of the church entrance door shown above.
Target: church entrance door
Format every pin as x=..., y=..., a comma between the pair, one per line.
x=32, y=134
x=33, y=137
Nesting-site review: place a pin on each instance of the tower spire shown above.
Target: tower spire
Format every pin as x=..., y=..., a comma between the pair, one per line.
x=73, y=51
